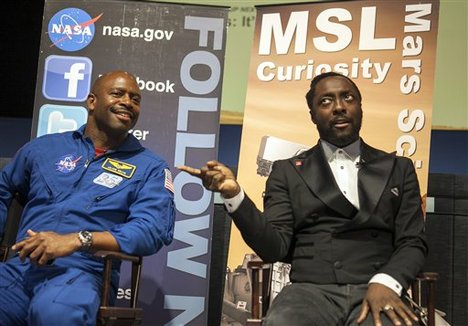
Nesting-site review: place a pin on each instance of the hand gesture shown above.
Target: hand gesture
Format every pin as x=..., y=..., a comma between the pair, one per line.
x=381, y=299
x=215, y=177
x=41, y=247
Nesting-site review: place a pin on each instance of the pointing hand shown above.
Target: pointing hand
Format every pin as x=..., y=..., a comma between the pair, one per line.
x=215, y=177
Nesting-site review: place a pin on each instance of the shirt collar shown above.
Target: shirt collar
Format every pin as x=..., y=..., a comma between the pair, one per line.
x=129, y=145
x=353, y=150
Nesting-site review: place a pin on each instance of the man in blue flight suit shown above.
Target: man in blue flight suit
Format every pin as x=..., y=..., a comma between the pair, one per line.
x=92, y=189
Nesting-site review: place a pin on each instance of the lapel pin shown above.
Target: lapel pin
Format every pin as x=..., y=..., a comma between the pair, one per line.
x=395, y=191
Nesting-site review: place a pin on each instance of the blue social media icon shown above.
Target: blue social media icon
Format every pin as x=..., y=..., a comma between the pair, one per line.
x=67, y=78
x=60, y=118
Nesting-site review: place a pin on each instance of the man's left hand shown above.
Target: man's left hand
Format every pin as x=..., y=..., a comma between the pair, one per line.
x=381, y=299
x=41, y=247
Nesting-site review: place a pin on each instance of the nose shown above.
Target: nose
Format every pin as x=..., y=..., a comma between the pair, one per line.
x=339, y=107
x=126, y=100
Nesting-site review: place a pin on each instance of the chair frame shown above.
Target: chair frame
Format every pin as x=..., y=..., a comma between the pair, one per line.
x=260, y=290
x=108, y=315
x=429, y=279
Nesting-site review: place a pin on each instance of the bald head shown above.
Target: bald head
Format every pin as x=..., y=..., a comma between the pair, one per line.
x=110, y=75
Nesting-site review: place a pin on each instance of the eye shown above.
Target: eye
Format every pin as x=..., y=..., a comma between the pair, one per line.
x=325, y=101
x=349, y=97
x=136, y=99
x=116, y=93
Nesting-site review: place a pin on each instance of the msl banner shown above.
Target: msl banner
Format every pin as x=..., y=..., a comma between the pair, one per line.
x=387, y=47
x=177, y=53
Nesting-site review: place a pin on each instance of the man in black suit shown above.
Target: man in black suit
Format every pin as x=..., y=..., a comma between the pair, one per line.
x=347, y=217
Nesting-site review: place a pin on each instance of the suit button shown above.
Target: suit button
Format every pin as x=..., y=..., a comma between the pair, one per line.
x=374, y=234
x=337, y=265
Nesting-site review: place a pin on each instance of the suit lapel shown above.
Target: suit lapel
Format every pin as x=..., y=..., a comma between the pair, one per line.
x=376, y=168
x=313, y=168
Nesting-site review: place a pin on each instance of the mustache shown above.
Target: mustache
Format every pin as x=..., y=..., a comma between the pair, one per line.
x=340, y=119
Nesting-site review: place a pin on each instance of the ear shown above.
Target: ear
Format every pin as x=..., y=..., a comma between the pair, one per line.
x=91, y=101
x=312, y=117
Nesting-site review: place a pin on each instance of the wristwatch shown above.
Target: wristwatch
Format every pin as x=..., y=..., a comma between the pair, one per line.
x=86, y=239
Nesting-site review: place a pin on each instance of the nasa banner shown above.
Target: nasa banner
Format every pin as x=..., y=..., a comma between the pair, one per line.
x=387, y=48
x=176, y=53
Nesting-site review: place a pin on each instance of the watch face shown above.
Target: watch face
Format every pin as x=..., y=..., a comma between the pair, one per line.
x=86, y=239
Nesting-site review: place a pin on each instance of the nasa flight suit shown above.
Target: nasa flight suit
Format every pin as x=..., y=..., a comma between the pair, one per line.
x=127, y=191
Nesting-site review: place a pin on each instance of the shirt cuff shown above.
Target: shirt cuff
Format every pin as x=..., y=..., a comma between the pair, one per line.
x=388, y=281
x=233, y=203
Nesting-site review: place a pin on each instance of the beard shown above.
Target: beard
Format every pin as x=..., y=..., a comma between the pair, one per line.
x=340, y=137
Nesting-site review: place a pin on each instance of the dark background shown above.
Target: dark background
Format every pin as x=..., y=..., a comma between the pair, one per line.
x=20, y=36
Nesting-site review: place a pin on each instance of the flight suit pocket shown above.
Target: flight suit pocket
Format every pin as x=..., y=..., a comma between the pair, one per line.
x=112, y=205
x=77, y=288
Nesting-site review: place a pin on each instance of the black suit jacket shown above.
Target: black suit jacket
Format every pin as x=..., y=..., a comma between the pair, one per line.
x=309, y=223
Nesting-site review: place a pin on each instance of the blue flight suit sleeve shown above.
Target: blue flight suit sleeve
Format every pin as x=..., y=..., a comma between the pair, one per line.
x=150, y=223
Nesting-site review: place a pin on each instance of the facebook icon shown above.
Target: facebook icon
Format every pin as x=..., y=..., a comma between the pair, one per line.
x=67, y=78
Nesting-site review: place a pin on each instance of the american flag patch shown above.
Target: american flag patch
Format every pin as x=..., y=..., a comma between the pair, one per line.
x=168, y=180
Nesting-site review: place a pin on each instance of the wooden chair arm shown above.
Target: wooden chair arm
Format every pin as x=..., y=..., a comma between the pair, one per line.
x=427, y=276
x=109, y=257
x=4, y=251
x=105, y=254
x=430, y=279
x=260, y=296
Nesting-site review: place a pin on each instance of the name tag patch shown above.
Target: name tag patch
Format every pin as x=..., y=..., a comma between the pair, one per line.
x=108, y=180
x=120, y=168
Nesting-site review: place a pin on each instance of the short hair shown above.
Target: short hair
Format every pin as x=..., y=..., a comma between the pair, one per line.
x=313, y=85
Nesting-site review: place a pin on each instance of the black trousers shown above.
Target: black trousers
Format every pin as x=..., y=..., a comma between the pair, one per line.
x=306, y=304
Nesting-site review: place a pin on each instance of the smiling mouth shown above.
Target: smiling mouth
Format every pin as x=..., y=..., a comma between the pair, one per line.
x=123, y=114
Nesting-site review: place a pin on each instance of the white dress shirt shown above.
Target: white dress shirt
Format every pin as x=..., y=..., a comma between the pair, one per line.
x=344, y=163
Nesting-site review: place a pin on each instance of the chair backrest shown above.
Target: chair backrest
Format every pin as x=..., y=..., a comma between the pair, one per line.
x=15, y=212
x=4, y=161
